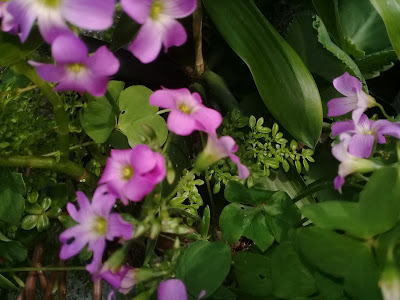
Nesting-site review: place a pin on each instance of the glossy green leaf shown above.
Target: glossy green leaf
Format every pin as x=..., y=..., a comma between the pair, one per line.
x=372, y=65
x=290, y=278
x=12, y=202
x=325, y=40
x=389, y=10
x=253, y=273
x=135, y=111
x=204, y=266
x=282, y=79
x=363, y=26
x=12, y=50
x=205, y=223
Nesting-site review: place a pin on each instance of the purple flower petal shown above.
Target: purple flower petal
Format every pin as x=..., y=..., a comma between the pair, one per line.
x=181, y=123
x=139, y=10
x=97, y=246
x=89, y=14
x=51, y=26
x=69, y=84
x=388, y=128
x=339, y=181
x=159, y=171
x=97, y=86
x=73, y=212
x=24, y=17
x=357, y=113
x=142, y=159
x=83, y=201
x=137, y=188
x=179, y=8
x=175, y=34
x=103, y=62
x=339, y=151
x=347, y=85
x=340, y=127
x=117, y=227
x=73, y=248
x=361, y=145
x=51, y=73
x=243, y=170
x=147, y=44
x=103, y=201
x=69, y=49
x=172, y=289
x=209, y=119
x=163, y=99
x=341, y=106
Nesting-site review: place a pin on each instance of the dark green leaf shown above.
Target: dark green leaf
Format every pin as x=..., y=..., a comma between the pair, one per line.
x=6, y=284
x=58, y=194
x=205, y=222
x=237, y=193
x=135, y=111
x=12, y=203
x=253, y=273
x=124, y=32
x=290, y=278
x=283, y=81
x=373, y=64
x=204, y=266
x=12, y=251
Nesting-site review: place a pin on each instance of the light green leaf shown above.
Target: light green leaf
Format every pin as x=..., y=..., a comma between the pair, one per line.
x=283, y=81
x=6, y=284
x=389, y=10
x=204, y=266
x=135, y=111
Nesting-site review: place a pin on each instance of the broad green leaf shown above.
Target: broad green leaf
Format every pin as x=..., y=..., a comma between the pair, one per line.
x=269, y=218
x=12, y=50
x=372, y=65
x=12, y=202
x=58, y=194
x=328, y=288
x=343, y=257
x=12, y=251
x=389, y=10
x=98, y=119
x=290, y=278
x=325, y=40
x=135, y=111
x=302, y=36
x=204, y=266
x=283, y=81
x=114, y=90
x=363, y=26
x=124, y=32
x=253, y=273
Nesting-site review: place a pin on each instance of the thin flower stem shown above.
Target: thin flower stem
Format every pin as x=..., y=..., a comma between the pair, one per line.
x=66, y=167
x=60, y=115
x=198, y=39
x=28, y=88
x=44, y=269
x=383, y=111
x=160, y=112
x=167, y=142
x=183, y=213
x=80, y=146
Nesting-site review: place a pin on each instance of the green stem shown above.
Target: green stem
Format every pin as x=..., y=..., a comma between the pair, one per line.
x=66, y=167
x=383, y=111
x=71, y=148
x=166, y=145
x=310, y=191
x=183, y=213
x=60, y=115
x=29, y=269
x=160, y=112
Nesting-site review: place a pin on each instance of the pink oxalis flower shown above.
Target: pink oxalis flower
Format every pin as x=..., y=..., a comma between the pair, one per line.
x=355, y=100
x=187, y=111
x=174, y=289
x=53, y=14
x=160, y=27
x=218, y=148
x=364, y=134
x=349, y=164
x=124, y=280
x=75, y=70
x=96, y=224
x=131, y=174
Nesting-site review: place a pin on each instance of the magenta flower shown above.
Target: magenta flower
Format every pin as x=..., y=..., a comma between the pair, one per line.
x=52, y=14
x=132, y=174
x=8, y=22
x=75, y=70
x=365, y=133
x=96, y=225
x=187, y=111
x=356, y=99
x=123, y=281
x=349, y=164
x=174, y=289
x=217, y=149
x=159, y=25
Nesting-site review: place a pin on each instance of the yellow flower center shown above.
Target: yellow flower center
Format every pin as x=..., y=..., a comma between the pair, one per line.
x=369, y=132
x=76, y=67
x=100, y=226
x=51, y=3
x=127, y=172
x=156, y=9
x=183, y=107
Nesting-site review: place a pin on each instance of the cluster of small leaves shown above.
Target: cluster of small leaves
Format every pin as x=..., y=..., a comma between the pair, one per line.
x=188, y=197
x=260, y=148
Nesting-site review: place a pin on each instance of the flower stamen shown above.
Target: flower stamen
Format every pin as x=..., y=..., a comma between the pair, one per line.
x=156, y=9
x=127, y=172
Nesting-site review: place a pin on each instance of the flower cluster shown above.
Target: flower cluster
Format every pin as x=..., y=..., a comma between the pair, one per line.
x=359, y=135
x=74, y=69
